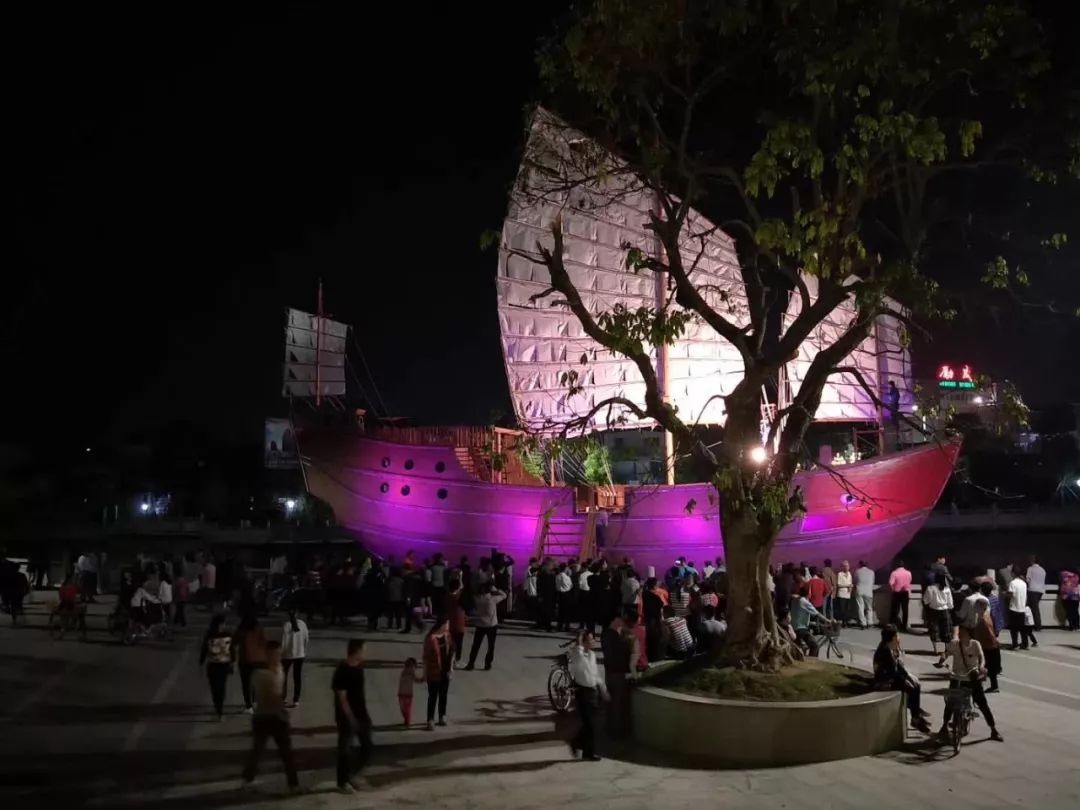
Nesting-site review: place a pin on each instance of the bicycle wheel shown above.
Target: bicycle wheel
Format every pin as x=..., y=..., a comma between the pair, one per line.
x=56, y=626
x=560, y=690
x=958, y=731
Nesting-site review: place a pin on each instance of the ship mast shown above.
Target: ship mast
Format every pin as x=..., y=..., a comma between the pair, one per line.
x=660, y=290
x=318, y=346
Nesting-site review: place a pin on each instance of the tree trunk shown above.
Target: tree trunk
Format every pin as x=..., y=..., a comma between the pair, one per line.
x=753, y=639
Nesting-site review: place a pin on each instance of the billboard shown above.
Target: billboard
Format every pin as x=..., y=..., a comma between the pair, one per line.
x=279, y=446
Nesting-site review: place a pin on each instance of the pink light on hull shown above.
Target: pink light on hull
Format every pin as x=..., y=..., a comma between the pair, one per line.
x=401, y=497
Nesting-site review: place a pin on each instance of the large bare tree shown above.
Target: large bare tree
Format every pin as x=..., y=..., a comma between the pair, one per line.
x=834, y=139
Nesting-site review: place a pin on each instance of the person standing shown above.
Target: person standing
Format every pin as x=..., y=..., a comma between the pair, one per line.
x=588, y=691
x=967, y=666
x=939, y=567
x=351, y=715
x=900, y=585
x=864, y=594
x=815, y=590
x=250, y=644
x=437, y=574
x=546, y=593
x=601, y=527
x=395, y=596
x=1018, y=628
x=585, y=605
x=1036, y=587
x=968, y=613
x=270, y=718
x=165, y=595
x=218, y=656
x=294, y=644
x=410, y=675
x=208, y=581
x=938, y=604
x=456, y=611
x=87, y=568
x=845, y=591
x=1069, y=593
x=629, y=589
x=487, y=624
x=621, y=650
x=532, y=602
x=182, y=596
x=438, y=664
x=828, y=573
x=983, y=632
x=564, y=589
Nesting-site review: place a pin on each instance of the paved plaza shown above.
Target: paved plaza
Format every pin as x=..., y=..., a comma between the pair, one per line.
x=101, y=725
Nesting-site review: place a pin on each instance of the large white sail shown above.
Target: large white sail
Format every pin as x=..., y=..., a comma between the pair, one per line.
x=882, y=357
x=603, y=208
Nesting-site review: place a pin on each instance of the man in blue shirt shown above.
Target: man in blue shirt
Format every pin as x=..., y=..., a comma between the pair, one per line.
x=801, y=614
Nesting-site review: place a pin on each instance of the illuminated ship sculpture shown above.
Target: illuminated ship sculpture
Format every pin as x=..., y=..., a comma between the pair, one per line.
x=464, y=491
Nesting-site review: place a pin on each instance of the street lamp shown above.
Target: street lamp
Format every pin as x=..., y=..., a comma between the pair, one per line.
x=290, y=504
x=144, y=507
x=759, y=455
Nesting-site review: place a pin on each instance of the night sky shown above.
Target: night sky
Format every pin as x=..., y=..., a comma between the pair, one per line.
x=180, y=181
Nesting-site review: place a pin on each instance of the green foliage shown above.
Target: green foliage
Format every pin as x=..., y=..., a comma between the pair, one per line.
x=999, y=275
x=597, y=463
x=532, y=461
x=630, y=328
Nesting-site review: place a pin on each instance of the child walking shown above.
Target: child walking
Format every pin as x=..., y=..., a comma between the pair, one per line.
x=409, y=677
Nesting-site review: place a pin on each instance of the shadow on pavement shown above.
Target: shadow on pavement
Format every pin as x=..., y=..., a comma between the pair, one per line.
x=50, y=782
x=487, y=769
x=112, y=713
x=493, y=710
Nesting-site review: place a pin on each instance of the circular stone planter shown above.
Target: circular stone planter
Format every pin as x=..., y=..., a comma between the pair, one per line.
x=738, y=733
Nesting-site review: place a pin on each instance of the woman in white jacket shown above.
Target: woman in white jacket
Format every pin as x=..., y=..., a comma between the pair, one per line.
x=294, y=642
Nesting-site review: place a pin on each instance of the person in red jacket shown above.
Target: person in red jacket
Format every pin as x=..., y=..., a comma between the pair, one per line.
x=438, y=664
x=817, y=589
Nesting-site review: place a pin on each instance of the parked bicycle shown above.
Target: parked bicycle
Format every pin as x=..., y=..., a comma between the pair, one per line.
x=561, y=683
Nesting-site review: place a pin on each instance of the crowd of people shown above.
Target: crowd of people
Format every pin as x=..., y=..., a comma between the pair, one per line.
x=638, y=618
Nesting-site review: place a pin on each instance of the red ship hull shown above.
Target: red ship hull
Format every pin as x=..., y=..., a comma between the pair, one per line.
x=400, y=497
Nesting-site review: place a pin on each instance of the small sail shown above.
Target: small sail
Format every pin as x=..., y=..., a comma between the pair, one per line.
x=604, y=210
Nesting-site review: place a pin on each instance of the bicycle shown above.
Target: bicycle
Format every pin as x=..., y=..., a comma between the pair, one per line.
x=561, y=684
x=825, y=636
x=959, y=701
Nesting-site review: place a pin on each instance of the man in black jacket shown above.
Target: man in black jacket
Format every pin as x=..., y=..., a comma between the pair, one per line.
x=546, y=594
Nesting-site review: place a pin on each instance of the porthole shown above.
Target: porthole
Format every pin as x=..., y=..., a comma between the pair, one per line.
x=440, y=466
x=405, y=490
x=442, y=493
x=408, y=464
x=384, y=487
x=386, y=461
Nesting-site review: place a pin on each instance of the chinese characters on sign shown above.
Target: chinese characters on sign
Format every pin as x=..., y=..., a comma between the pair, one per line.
x=951, y=377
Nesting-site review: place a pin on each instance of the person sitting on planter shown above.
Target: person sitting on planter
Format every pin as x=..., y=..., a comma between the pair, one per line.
x=682, y=643
x=889, y=673
x=711, y=630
